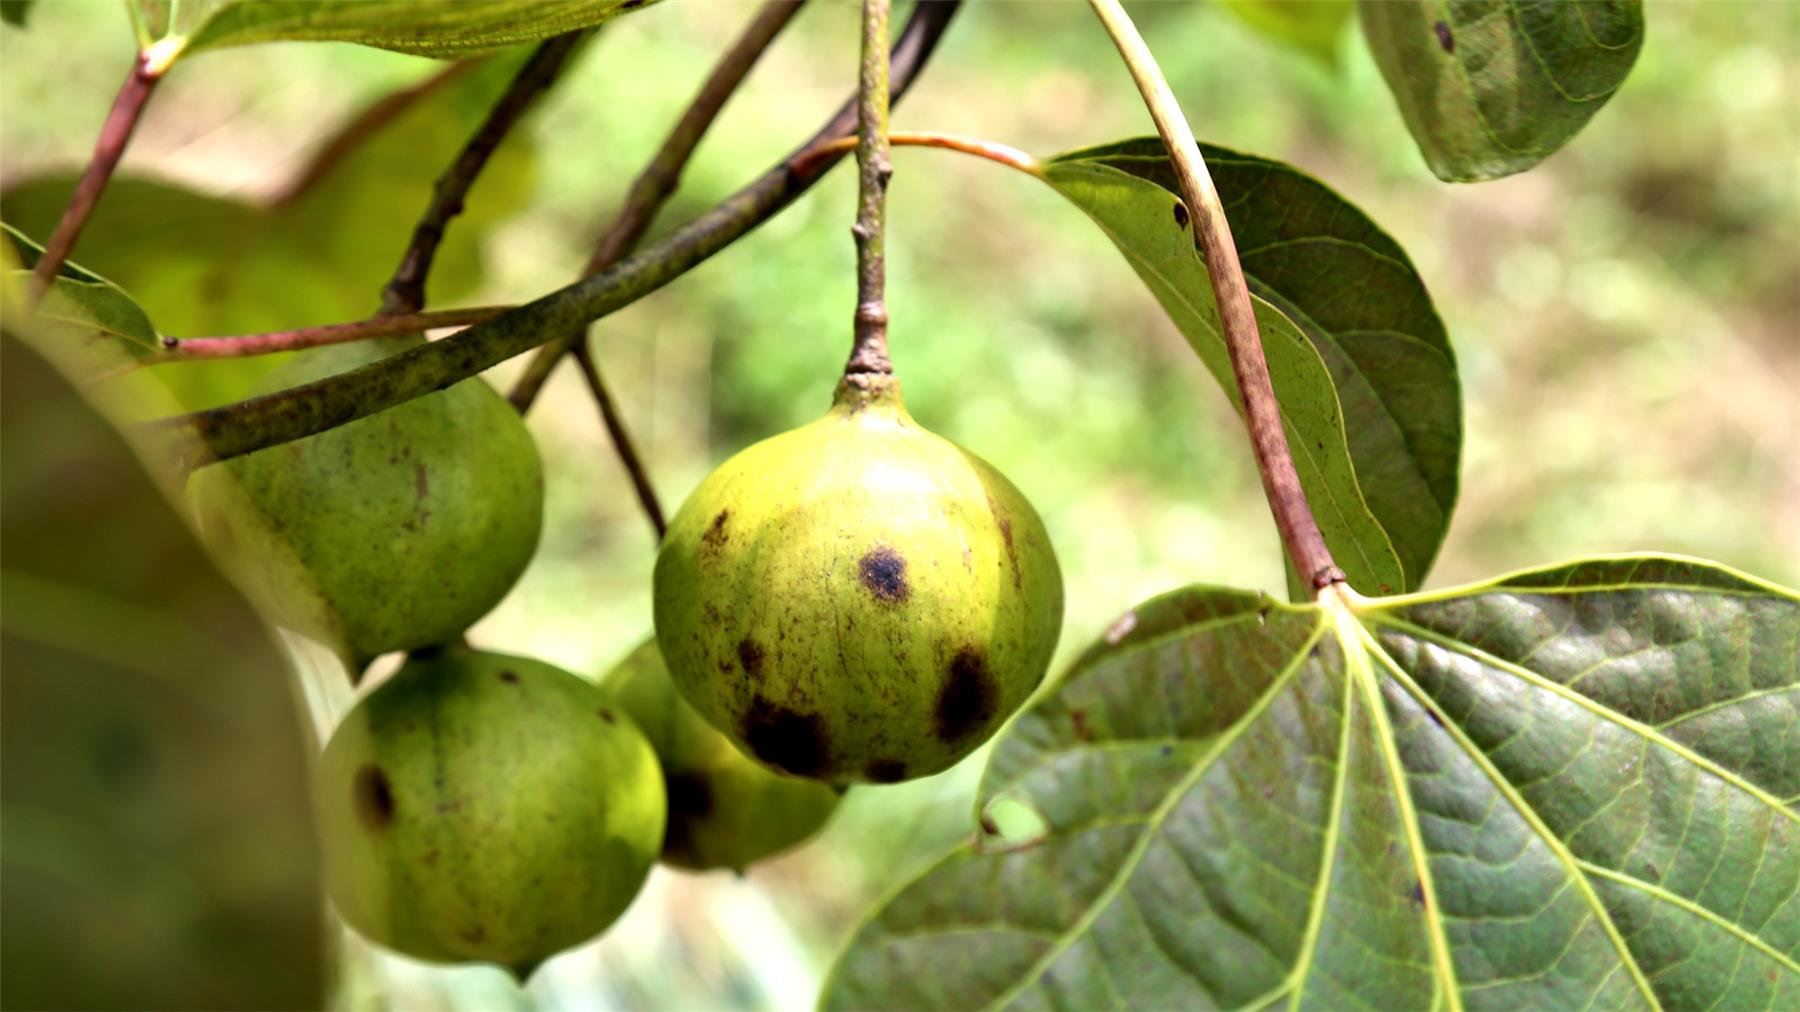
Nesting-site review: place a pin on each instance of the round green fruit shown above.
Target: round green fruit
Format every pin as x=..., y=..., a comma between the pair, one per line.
x=393, y=532
x=857, y=599
x=480, y=807
x=724, y=810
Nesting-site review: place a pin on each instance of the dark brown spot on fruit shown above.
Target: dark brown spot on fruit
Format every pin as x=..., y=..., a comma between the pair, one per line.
x=421, y=482
x=1181, y=215
x=713, y=541
x=1079, y=719
x=1446, y=41
x=509, y=677
x=606, y=715
x=473, y=934
x=785, y=739
x=750, y=656
x=969, y=698
x=886, y=771
x=631, y=5
x=373, y=797
x=883, y=572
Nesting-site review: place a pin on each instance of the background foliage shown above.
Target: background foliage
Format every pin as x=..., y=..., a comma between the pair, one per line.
x=1626, y=319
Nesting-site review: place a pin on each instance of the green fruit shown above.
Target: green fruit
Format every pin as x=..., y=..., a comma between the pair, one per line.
x=724, y=810
x=393, y=532
x=484, y=807
x=857, y=599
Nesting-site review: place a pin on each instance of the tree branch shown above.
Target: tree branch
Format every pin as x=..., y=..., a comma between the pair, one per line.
x=621, y=440
x=993, y=151
x=115, y=134
x=653, y=186
x=406, y=292
x=181, y=349
x=366, y=124
x=1262, y=413
x=230, y=431
x=869, y=354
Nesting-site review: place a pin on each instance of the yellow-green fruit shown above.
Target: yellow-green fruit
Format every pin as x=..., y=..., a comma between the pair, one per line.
x=480, y=807
x=857, y=599
x=724, y=810
x=393, y=532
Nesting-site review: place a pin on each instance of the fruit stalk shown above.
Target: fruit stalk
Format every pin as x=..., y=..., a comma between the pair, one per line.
x=621, y=440
x=192, y=440
x=654, y=185
x=1262, y=413
x=869, y=355
x=405, y=292
x=115, y=133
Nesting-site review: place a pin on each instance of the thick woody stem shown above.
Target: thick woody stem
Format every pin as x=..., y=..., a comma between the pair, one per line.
x=869, y=353
x=405, y=293
x=653, y=186
x=115, y=133
x=1262, y=413
x=245, y=427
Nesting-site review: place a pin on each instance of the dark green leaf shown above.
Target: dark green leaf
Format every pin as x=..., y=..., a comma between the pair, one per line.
x=1360, y=361
x=26, y=251
x=1569, y=788
x=445, y=28
x=205, y=265
x=1491, y=87
x=1314, y=27
x=14, y=12
x=155, y=840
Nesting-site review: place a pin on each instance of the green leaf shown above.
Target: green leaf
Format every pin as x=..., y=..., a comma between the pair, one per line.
x=206, y=265
x=84, y=322
x=155, y=836
x=1568, y=788
x=15, y=12
x=1492, y=87
x=1360, y=361
x=1314, y=27
x=442, y=28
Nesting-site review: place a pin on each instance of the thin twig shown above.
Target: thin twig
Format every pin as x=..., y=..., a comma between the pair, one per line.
x=236, y=429
x=1262, y=413
x=653, y=186
x=869, y=353
x=115, y=133
x=181, y=349
x=621, y=440
x=993, y=151
x=366, y=124
x=406, y=292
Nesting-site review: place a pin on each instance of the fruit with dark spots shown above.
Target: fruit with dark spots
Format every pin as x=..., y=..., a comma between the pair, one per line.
x=903, y=596
x=464, y=817
x=749, y=656
x=393, y=532
x=724, y=810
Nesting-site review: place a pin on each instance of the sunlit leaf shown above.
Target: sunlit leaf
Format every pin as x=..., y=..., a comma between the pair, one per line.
x=1491, y=87
x=206, y=265
x=155, y=840
x=1314, y=27
x=1360, y=361
x=444, y=28
x=1568, y=788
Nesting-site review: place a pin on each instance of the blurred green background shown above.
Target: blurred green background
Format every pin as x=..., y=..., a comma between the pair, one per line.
x=1627, y=319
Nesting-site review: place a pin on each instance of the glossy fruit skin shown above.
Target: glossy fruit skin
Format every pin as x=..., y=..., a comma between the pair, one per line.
x=394, y=532
x=857, y=600
x=481, y=807
x=725, y=811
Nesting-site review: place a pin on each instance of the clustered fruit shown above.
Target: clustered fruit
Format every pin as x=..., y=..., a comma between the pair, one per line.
x=855, y=601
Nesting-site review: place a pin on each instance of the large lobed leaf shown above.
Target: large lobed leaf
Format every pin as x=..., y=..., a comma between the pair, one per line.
x=1568, y=788
x=1491, y=87
x=1360, y=361
x=444, y=28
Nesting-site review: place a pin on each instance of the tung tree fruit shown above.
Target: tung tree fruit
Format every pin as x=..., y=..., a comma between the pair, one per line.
x=857, y=599
x=393, y=532
x=724, y=810
x=481, y=807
